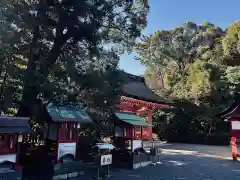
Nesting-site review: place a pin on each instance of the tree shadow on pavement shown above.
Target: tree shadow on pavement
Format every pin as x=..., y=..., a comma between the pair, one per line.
x=184, y=166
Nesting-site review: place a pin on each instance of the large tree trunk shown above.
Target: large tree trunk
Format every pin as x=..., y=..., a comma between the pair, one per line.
x=2, y=92
x=30, y=90
x=28, y=101
x=32, y=87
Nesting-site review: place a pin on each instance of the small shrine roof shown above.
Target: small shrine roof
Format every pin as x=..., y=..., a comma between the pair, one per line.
x=104, y=146
x=132, y=119
x=135, y=87
x=12, y=124
x=61, y=112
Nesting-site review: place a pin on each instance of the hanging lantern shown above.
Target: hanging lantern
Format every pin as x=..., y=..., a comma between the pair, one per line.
x=78, y=126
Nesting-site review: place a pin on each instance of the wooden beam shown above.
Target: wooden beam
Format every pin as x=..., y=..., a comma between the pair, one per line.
x=132, y=102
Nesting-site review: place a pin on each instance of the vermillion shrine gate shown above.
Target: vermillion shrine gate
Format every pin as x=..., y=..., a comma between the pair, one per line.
x=133, y=119
x=137, y=98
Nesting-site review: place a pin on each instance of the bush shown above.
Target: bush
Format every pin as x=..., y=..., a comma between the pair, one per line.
x=218, y=139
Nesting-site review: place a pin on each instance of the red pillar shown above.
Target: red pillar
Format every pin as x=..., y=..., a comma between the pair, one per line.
x=148, y=116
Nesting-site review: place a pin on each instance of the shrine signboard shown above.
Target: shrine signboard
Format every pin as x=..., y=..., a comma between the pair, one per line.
x=8, y=157
x=106, y=160
x=136, y=144
x=66, y=148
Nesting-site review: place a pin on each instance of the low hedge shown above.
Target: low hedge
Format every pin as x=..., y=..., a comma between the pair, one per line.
x=218, y=139
x=198, y=138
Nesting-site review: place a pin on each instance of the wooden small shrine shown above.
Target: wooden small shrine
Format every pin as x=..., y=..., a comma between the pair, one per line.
x=232, y=115
x=64, y=122
x=130, y=130
x=12, y=130
x=133, y=116
x=61, y=124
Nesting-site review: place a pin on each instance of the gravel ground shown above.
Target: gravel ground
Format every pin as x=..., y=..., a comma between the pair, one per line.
x=184, y=165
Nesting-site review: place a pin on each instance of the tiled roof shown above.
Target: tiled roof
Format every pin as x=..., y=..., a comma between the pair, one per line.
x=132, y=119
x=135, y=87
x=233, y=108
x=60, y=112
x=12, y=124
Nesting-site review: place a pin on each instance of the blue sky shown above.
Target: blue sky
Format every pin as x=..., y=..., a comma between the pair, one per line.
x=168, y=14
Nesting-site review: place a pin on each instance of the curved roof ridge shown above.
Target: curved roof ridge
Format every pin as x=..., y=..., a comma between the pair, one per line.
x=233, y=107
x=135, y=87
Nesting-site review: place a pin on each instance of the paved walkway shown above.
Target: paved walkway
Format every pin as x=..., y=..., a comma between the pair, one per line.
x=187, y=162
x=219, y=151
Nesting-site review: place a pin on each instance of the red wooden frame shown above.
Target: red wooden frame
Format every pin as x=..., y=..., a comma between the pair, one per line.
x=140, y=108
x=132, y=102
x=235, y=136
x=145, y=133
x=64, y=137
x=15, y=149
x=7, y=140
x=138, y=132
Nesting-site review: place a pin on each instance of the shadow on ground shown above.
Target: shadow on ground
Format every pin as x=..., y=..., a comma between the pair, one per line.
x=182, y=165
x=215, y=151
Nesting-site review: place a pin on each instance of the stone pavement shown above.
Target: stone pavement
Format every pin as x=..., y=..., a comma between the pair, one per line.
x=185, y=165
x=220, y=151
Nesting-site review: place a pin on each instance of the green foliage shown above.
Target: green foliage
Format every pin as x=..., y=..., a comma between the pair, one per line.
x=231, y=44
x=233, y=77
x=194, y=61
x=66, y=50
x=178, y=46
x=12, y=67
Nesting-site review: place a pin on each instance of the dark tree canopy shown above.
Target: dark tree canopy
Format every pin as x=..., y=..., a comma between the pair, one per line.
x=68, y=49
